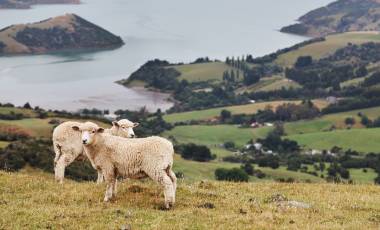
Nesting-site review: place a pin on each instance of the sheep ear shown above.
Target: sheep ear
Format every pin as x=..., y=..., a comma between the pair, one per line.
x=114, y=123
x=135, y=124
x=100, y=130
x=76, y=128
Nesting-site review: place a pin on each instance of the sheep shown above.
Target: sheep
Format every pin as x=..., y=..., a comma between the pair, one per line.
x=130, y=158
x=68, y=145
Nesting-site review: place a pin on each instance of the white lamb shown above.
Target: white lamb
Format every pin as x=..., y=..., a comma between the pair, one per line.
x=68, y=144
x=132, y=158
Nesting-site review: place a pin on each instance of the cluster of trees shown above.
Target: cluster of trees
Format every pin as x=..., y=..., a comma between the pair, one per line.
x=12, y=116
x=288, y=112
x=156, y=76
x=194, y=152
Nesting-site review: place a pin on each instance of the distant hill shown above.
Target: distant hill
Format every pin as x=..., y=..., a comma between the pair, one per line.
x=337, y=17
x=25, y=4
x=67, y=32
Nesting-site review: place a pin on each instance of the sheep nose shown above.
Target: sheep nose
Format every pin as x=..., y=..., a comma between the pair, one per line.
x=132, y=135
x=84, y=141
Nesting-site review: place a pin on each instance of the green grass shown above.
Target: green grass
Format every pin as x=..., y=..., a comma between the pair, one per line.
x=332, y=43
x=25, y=112
x=240, y=109
x=362, y=140
x=33, y=200
x=213, y=136
x=204, y=71
x=3, y=144
x=311, y=126
x=358, y=176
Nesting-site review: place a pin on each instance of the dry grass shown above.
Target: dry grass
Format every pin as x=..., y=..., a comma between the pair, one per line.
x=35, y=201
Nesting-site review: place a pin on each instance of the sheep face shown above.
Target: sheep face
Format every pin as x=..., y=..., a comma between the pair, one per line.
x=124, y=128
x=89, y=131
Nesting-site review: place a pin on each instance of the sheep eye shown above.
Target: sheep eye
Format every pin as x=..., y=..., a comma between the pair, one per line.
x=93, y=131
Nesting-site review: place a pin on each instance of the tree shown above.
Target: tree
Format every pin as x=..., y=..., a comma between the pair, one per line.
x=377, y=179
x=269, y=161
x=350, y=121
x=294, y=164
x=248, y=168
x=251, y=77
x=344, y=173
x=234, y=174
x=225, y=114
x=195, y=152
x=27, y=106
x=303, y=61
x=365, y=121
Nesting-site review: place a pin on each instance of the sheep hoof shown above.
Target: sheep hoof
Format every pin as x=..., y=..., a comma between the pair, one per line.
x=169, y=205
x=106, y=199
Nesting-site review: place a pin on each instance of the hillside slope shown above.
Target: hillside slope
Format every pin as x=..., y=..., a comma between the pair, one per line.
x=67, y=32
x=33, y=200
x=337, y=17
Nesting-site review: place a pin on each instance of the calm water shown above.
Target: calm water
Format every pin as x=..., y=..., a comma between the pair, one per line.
x=175, y=30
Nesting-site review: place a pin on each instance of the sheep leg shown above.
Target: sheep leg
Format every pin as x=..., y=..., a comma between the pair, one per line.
x=114, y=190
x=173, y=177
x=100, y=177
x=58, y=153
x=62, y=163
x=166, y=182
x=110, y=179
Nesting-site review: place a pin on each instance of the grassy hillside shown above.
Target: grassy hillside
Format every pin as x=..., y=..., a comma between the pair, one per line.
x=214, y=135
x=322, y=49
x=324, y=123
x=362, y=140
x=204, y=71
x=240, y=109
x=338, y=16
x=269, y=84
x=35, y=127
x=33, y=200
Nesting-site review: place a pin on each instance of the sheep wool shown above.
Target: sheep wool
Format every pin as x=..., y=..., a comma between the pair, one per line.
x=132, y=158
